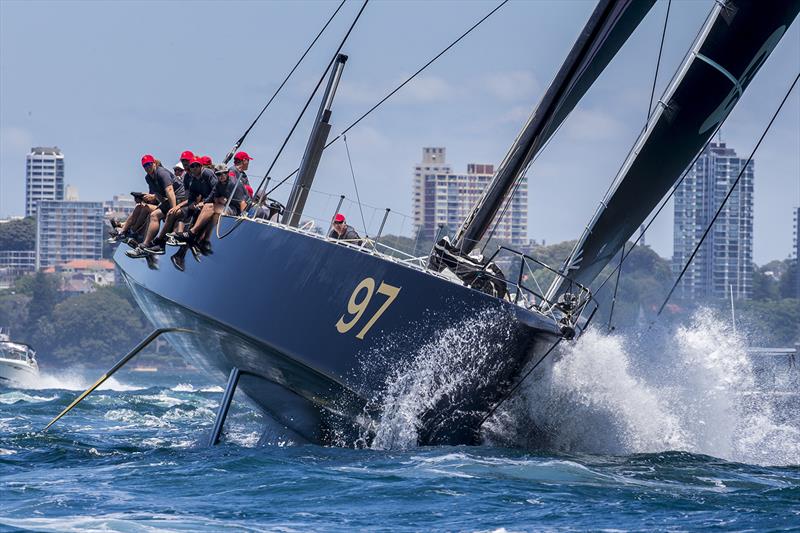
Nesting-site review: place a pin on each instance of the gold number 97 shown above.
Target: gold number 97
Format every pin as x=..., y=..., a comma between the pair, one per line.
x=357, y=305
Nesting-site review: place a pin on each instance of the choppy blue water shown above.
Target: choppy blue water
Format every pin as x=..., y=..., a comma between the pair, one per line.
x=133, y=458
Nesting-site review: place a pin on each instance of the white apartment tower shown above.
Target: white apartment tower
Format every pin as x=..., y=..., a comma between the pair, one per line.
x=443, y=198
x=725, y=260
x=67, y=231
x=44, y=177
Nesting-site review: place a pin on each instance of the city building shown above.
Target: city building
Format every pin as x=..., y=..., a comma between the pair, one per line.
x=15, y=263
x=84, y=275
x=442, y=198
x=44, y=177
x=71, y=193
x=120, y=206
x=67, y=231
x=724, y=262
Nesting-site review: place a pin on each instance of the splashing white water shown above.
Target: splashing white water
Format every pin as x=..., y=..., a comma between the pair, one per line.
x=697, y=392
x=599, y=397
x=70, y=381
x=442, y=369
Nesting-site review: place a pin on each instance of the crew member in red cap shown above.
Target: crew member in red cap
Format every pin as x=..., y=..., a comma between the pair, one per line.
x=341, y=231
x=186, y=159
x=198, y=234
x=135, y=225
x=202, y=182
x=238, y=173
x=165, y=191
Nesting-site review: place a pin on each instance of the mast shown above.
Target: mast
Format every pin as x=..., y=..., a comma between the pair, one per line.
x=609, y=26
x=314, y=148
x=736, y=40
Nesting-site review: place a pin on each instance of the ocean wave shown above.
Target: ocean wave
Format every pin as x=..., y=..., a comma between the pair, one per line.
x=13, y=397
x=71, y=381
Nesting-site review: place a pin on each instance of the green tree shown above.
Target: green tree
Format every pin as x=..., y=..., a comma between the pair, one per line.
x=18, y=234
x=764, y=285
x=787, y=286
x=14, y=312
x=93, y=329
x=44, y=296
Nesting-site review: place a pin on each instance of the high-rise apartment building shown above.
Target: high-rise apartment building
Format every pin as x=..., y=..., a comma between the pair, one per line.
x=724, y=262
x=119, y=206
x=44, y=177
x=442, y=198
x=67, y=231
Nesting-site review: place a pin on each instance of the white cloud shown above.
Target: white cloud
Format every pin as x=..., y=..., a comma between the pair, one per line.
x=424, y=89
x=516, y=115
x=512, y=85
x=15, y=140
x=592, y=125
x=427, y=89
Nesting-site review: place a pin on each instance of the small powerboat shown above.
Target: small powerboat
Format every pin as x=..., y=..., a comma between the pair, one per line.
x=17, y=361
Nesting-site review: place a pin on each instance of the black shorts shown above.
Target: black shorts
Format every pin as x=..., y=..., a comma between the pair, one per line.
x=188, y=211
x=164, y=206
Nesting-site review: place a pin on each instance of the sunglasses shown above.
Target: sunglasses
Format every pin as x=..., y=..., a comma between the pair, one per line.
x=148, y=165
x=337, y=223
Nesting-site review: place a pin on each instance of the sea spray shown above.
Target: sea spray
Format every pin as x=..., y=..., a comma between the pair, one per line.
x=455, y=362
x=696, y=391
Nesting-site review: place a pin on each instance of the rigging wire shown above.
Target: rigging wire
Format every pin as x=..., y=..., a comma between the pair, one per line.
x=266, y=178
x=308, y=102
x=658, y=63
x=649, y=113
x=396, y=89
x=355, y=185
x=725, y=200
x=238, y=143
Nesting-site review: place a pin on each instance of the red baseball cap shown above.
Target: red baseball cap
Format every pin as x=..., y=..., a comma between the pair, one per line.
x=338, y=218
x=147, y=158
x=241, y=156
x=195, y=161
x=204, y=159
x=187, y=154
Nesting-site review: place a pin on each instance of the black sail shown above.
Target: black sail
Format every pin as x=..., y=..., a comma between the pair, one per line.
x=609, y=26
x=736, y=40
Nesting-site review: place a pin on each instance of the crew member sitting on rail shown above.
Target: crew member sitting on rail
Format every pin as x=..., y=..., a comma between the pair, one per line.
x=241, y=162
x=179, y=171
x=342, y=231
x=201, y=184
x=136, y=224
x=200, y=231
x=166, y=190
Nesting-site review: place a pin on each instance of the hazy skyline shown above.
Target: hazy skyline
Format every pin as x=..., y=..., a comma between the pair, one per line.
x=107, y=82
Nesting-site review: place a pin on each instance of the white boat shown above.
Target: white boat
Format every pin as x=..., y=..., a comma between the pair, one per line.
x=17, y=361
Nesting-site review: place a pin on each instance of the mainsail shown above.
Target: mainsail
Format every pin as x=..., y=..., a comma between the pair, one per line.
x=736, y=40
x=609, y=26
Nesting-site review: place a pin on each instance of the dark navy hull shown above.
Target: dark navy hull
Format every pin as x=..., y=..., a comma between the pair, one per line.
x=274, y=303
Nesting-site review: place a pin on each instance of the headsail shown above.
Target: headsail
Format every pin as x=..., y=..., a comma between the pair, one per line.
x=609, y=26
x=737, y=38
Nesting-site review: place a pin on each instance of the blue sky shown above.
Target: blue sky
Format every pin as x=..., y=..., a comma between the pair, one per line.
x=109, y=81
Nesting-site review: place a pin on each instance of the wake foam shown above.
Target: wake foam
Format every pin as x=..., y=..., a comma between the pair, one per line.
x=697, y=392
x=442, y=369
x=695, y=389
x=70, y=381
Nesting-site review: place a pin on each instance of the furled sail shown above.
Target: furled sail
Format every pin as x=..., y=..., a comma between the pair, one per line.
x=737, y=38
x=609, y=26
